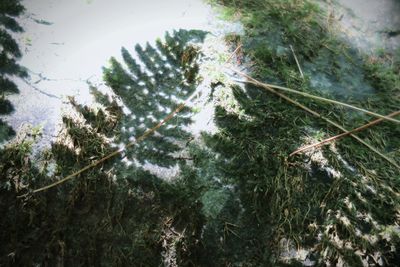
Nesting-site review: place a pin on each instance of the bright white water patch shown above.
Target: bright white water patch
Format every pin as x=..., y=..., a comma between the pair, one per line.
x=84, y=34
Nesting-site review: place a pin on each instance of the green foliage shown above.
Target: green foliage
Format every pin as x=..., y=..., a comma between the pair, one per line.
x=237, y=196
x=118, y=214
x=333, y=202
x=151, y=92
x=9, y=55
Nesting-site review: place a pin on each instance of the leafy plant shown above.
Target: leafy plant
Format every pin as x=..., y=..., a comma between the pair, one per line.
x=9, y=55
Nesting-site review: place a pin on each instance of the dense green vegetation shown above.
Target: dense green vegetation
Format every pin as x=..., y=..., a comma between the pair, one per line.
x=340, y=203
x=238, y=199
x=118, y=213
x=9, y=54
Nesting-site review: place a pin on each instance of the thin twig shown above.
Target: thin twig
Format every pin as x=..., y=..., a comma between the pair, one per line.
x=297, y=62
x=265, y=85
x=333, y=138
x=316, y=114
x=233, y=54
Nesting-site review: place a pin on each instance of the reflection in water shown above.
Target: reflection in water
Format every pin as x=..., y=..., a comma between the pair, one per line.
x=85, y=33
x=121, y=211
x=149, y=91
x=66, y=43
x=237, y=197
x=125, y=215
x=369, y=25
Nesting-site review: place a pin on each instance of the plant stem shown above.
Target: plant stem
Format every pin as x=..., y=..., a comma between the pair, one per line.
x=328, y=140
x=265, y=85
x=316, y=114
x=297, y=62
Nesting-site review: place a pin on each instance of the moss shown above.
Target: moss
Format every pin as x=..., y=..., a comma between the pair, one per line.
x=238, y=195
x=304, y=197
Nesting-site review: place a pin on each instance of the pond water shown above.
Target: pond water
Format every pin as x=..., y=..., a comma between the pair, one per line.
x=67, y=42
x=368, y=28
x=370, y=25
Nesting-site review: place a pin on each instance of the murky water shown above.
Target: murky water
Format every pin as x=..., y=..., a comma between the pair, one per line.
x=66, y=43
x=370, y=25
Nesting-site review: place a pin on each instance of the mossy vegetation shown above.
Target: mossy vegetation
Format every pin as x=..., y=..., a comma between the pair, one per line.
x=116, y=214
x=10, y=52
x=237, y=199
x=326, y=201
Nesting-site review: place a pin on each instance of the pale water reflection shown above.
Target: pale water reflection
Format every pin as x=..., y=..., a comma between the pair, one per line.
x=370, y=25
x=67, y=42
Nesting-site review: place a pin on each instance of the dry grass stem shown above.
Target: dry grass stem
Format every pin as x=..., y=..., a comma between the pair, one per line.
x=336, y=137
